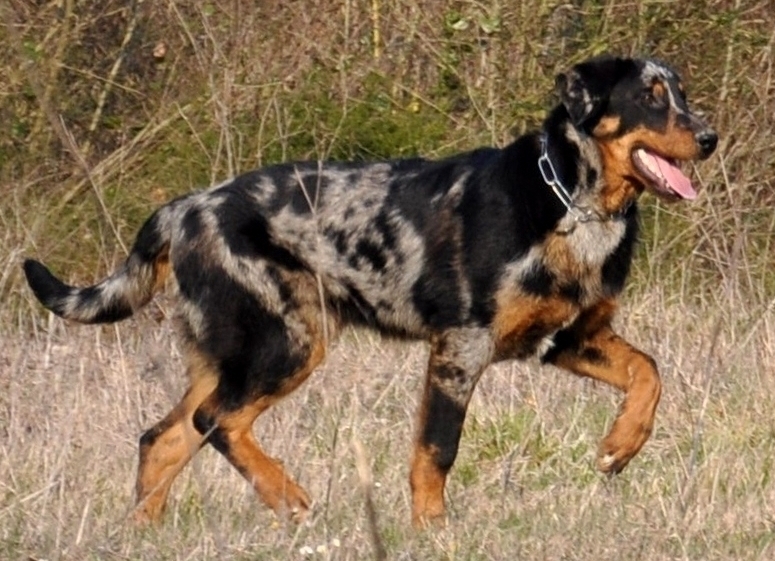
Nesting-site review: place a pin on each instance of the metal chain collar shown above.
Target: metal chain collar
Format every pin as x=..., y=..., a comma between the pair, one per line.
x=579, y=213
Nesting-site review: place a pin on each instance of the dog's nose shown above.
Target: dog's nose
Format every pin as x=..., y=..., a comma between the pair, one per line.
x=707, y=141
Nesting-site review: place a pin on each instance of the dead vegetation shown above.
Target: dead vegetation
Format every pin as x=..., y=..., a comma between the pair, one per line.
x=112, y=107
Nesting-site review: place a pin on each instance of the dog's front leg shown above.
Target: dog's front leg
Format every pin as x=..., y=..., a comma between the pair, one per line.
x=591, y=348
x=458, y=358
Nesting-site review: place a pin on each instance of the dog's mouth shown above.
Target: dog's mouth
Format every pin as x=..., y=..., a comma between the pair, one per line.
x=664, y=175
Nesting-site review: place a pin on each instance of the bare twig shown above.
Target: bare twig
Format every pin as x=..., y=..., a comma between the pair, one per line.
x=57, y=123
x=111, y=79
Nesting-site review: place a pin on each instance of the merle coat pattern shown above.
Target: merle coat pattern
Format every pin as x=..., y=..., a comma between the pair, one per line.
x=476, y=253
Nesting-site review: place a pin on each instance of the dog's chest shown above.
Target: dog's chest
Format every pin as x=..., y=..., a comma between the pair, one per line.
x=549, y=287
x=583, y=263
x=587, y=246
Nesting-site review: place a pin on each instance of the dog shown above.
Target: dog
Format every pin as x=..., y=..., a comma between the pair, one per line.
x=489, y=255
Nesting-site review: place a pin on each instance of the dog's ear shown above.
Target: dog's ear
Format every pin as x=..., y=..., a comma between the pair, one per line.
x=584, y=90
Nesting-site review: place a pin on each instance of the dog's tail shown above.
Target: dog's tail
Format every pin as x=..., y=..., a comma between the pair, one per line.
x=118, y=296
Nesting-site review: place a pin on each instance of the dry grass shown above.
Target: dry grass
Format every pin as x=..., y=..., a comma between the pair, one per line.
x=75, y=399
x=100, y=130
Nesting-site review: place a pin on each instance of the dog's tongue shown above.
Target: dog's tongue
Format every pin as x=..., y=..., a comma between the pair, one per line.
x=674, y=178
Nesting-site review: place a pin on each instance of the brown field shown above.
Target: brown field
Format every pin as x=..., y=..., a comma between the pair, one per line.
x=101, y=127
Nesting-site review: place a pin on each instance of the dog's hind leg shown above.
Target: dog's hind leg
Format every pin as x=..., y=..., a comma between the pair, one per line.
x=228, y=424
x=168, y=446
x=458, y=358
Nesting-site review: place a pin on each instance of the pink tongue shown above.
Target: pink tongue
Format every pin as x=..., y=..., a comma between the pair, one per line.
x=675, y=178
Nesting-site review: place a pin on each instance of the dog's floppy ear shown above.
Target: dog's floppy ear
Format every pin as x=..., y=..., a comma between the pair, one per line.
x=584, y=90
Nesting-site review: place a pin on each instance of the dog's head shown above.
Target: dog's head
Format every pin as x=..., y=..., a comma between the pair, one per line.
x=636, y=111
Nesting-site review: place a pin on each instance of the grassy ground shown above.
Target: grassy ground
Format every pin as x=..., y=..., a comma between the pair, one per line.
x=113, y=107
x=75, y=400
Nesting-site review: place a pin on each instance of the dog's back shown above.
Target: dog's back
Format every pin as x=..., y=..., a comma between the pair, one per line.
x=392, y=243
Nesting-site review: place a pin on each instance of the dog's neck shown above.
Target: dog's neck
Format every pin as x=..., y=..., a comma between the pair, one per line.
x=579, y=182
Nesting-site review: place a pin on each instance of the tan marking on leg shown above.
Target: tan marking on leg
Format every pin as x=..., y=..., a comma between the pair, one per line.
x=607, y=357
x=633, y=426
x=426, y=478
x=265, y=474
x=457, y=359
x=176, y=443
x=427, y=483
x=517, y=314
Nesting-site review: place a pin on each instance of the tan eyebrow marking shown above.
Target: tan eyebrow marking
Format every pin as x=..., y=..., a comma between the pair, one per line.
x=658, y=90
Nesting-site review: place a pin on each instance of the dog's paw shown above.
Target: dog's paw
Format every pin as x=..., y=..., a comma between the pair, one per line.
x=612, y=458
x=621, y=445
x=610, y=464
x=615, y=452
x=295, y=506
